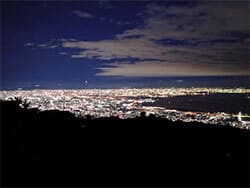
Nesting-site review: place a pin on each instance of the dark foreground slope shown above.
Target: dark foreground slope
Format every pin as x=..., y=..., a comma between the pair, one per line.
x=53, y=148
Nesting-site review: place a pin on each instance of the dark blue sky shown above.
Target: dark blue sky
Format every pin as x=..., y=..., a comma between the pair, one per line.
x=119, y=43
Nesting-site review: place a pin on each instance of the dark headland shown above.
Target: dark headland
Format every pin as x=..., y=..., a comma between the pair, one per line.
x=55, y=148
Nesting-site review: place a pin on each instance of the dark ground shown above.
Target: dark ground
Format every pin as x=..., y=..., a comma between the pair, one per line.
x=54, y=148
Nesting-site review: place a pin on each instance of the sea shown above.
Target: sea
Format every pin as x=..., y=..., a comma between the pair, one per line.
x=217, y=102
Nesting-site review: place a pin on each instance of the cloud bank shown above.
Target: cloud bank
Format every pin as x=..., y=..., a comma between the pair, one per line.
x=209, y=38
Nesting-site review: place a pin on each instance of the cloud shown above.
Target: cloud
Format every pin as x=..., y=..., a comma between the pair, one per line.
x=65, y=39
x=209, y=38
x=82, y=14
x=153, y=69
x=204, y=21
x=55, y=43
x=200, y=24
x=141, y=48
x=63, y=53
x=110, y=49
x=48, y=45
x=29, y=44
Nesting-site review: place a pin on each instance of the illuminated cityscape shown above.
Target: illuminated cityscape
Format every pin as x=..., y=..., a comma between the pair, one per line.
x=127, y=103
x=120, y=93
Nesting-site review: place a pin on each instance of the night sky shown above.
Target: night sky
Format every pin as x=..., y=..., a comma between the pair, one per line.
x=124, y=44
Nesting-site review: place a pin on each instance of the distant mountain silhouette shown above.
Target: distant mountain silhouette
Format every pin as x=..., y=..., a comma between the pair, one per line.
x=55, y=148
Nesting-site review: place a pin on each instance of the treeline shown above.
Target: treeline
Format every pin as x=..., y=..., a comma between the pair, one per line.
x=55, y=148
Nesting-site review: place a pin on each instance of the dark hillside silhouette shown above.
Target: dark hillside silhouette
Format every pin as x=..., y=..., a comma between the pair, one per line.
x=55, y=148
